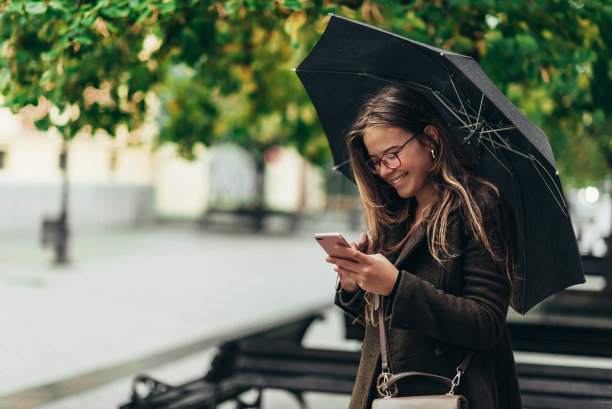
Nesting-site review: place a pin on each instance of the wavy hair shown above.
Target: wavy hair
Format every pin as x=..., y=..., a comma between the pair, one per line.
x=454, y=175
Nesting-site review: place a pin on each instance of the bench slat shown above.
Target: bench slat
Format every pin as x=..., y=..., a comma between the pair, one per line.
x=292, y=367
x=304, y=383
x=565, y=372
x=574, y=387
x=555, y=402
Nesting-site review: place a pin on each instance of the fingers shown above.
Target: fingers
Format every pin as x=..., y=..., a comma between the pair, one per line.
x=347, y=258
x=347, y=281
x=343, y=252
x=364, y=242
x=344, y=263
x=370, y=248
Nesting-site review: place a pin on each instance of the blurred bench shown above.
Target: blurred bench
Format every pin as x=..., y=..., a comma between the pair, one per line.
x=275, y=362
x=564, y=387
x=243, y=366
x=563, y=336
x=249, y=219
x=258, y=365
x=585, y=301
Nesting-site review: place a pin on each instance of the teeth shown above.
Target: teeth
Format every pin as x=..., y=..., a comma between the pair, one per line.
x=394, y=181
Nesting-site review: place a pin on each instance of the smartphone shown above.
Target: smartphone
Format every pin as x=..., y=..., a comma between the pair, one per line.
x=329, y=240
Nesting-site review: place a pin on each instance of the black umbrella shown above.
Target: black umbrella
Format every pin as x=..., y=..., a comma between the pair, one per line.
x=353, y=60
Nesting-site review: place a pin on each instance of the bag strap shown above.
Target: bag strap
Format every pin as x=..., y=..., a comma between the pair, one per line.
x=386, y=379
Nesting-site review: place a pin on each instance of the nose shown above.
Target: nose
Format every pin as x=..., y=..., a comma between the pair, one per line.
x=384, y=170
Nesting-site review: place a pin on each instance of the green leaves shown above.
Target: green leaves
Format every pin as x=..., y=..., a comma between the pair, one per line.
x=552, y=58
x=115, y=12
x=35, y=7
x=292, y=5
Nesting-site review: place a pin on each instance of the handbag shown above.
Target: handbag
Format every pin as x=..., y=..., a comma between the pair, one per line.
x=387, y=388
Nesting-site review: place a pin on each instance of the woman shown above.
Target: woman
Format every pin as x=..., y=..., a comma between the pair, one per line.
x=440, y=255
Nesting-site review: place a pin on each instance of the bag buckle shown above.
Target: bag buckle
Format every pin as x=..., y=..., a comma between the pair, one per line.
x=384, y=390
x=455, y=382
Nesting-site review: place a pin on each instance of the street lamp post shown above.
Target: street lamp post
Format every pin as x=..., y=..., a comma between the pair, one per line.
x=55, y=231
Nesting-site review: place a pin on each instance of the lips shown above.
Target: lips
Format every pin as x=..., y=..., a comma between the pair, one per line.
x=399, y=179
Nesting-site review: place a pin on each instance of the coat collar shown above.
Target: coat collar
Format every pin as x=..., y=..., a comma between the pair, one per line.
x=415, y=238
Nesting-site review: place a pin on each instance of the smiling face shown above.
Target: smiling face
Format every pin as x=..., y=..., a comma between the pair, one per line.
x=411, y=178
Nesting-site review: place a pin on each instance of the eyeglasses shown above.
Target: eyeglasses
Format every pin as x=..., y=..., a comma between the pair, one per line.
x=391, y=160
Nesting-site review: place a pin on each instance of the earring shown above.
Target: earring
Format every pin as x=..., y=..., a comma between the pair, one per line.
x=433, y=154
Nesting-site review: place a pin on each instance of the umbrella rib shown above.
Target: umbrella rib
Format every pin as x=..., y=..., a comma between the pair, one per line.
x=495, y=157
x=511, y=149
x=346, y=162
x=460, y=101
x=480, y=107
x=560, y=202
x=487, y=131
x=452, y=111
x=508, y=128
x=499, y=138
x=503, y=144
x=558, y=196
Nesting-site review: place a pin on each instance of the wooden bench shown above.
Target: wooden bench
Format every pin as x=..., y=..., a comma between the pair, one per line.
x=564, y=387
x=559, y=336
x=261, y=366
x=274, y=362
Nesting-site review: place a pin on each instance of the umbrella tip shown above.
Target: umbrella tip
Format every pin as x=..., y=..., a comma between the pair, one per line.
x=293, y=69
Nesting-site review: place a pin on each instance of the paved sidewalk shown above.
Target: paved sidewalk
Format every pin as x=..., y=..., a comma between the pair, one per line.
x=133, y=293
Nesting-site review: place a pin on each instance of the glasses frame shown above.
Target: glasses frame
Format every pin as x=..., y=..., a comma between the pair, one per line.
x=373, y=165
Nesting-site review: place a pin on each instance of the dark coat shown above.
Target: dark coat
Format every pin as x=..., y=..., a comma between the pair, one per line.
x=436, y=315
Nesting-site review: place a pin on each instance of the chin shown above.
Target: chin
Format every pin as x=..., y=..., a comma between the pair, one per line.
x=405, y=194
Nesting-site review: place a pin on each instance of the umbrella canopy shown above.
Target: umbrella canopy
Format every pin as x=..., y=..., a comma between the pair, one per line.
x=352, y=61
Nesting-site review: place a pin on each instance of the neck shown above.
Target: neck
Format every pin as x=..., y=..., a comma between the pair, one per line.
x=424, y=203
x=421, y=212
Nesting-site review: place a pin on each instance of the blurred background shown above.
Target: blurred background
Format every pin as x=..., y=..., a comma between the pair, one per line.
x=162, y=170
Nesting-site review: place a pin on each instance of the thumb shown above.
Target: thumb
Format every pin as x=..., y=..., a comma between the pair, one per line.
x=370, y=248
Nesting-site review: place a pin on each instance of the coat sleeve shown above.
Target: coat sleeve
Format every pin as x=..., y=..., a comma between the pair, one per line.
x=475, y=319
x=352, y=303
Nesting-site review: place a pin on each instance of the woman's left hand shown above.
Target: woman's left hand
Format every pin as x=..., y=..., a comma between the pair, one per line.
x=373, y=272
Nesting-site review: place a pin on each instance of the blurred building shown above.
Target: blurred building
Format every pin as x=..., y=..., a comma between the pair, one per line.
x=112, y=182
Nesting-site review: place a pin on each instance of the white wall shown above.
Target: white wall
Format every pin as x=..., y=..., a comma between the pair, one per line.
x=24, y=205
x=292, y=183
x=181, y=187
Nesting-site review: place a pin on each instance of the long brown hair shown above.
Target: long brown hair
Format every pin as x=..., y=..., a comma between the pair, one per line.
x=455, y=176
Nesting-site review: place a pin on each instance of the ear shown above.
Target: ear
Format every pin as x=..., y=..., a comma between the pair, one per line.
x=432, y=132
